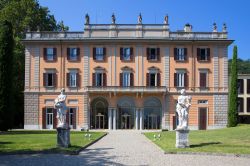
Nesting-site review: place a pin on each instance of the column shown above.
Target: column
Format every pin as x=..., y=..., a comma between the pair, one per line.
x=110, y=118
x=141, y=119
x=114, y=119
x=137, y=118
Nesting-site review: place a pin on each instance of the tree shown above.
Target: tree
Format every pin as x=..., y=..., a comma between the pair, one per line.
x=23, y=15
x=233, y=113
x=6, y=55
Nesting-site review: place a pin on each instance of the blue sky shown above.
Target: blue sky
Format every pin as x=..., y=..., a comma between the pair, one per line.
x=199, y=13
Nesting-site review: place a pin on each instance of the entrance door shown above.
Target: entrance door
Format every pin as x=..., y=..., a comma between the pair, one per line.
x=152, y=121
x=202, y=118
x=126, y=119
x=49, y=118
x=100, y=122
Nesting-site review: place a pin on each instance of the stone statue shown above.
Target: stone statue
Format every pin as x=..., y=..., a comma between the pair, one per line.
x=61, y=109
x=166, y=19
x=214, y=27
x=140, y=19
x=113, y=18
x=182, y=108
x=224, y=28
x=87, y=19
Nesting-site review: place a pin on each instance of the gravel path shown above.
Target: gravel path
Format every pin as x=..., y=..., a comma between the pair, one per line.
x=122, y=148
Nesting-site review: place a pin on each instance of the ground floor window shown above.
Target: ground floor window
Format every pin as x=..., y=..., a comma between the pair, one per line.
x=49, y=118
x=152, y=118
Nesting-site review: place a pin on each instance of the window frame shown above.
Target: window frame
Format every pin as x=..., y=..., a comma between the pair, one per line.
x=150, y=54
x=47, y=79
x=99, y=52
x=72, y=56
x=204, y=71
x=180, y=82
x=124, y=51
x=205, y=56
x=180, y=57
x=155, y=79
x=128, y=73
x=72, y=73
x=48, y=54
x=96, y=78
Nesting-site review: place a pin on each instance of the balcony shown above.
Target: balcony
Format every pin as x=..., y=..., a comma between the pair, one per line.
x=132, y=89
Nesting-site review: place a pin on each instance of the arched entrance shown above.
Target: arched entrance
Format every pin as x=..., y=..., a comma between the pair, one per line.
x=126, y=113
x=99, y=114
x=152, y=113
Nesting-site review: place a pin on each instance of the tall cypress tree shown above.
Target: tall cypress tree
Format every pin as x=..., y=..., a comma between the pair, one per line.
x=6, y=55
x=233, y=113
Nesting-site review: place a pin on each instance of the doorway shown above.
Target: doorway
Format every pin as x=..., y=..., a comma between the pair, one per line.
x=202, y=118
x=49, y=118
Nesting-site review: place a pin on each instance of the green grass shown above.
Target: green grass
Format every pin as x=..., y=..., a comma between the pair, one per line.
x=229, y=140
x=42, y=141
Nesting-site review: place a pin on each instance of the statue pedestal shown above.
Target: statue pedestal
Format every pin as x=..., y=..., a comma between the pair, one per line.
x=182, y=138
x=63, y=137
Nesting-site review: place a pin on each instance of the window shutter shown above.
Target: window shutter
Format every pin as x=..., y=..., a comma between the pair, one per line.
x=208, y=54
x=78, y=80
x=147, y=81
x=248, y=88
x=74, y=118
x=94, y=53
x=131, y=79
x=104, y=54
x=121, y=79
x=67, y=116
x=93, y=79
x=121, y=53
x=78, y=54
x=44, y=118
x=175, y=54
x=68, y=53
x=175, y=79
x=104, y=79
x=68, y=79
x=45, y=54
x=54, y=54
x=185, y=54
x=131, y=54
x=203, y=80
x=44, y=79
x=148, y=53
x=158, y=53
x=185, y=80
x=158, y=79
x=55, y=79
x=198, y=54
x=54, y=118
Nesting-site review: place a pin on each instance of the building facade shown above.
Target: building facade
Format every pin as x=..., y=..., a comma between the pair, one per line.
x=244, y=98
x=126, y=76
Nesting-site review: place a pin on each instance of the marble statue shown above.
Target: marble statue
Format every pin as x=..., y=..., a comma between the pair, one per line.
x=140, y=19
x=182, y=108
x=61, y=109
x=87, y=19
x=113, y=18
x=166, y=19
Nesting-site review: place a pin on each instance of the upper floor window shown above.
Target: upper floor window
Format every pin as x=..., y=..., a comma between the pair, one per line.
x=180, y=78
x=99, y=53
x=126, y=54
x=153, y=79
x=203, y=78
x=49, y=54
x=180, y=54
x=73, y=54
x=73, y=79
x=240, y=86
x=99, y=79
x=49, y=79
x=153, y=54
x=203, y=54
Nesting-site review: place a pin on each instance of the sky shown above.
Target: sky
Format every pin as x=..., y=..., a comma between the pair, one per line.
x=201, y=14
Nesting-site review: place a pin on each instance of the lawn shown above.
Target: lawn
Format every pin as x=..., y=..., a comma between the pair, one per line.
x=42, y=141
x=229, y=140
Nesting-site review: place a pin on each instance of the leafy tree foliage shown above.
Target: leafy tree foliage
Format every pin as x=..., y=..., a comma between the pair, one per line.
x=243, y=66
x=6, y=55
x=233, y=113
x=24, y=15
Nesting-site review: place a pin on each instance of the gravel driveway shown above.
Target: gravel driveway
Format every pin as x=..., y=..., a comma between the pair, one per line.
x=122, y=148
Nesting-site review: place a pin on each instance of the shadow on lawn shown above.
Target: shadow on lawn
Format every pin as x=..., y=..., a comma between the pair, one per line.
x=204, y=144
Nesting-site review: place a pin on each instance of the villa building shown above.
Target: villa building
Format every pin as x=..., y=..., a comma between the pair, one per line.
x=126, y=76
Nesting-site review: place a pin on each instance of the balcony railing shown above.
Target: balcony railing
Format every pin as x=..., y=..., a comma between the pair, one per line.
x=127, y=89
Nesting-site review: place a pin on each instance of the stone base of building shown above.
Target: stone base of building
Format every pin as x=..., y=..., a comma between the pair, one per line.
x=63, y=137
x=182, y=139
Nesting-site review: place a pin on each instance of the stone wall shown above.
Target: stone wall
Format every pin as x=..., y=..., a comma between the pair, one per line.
x=220, y=111
x=31, y=111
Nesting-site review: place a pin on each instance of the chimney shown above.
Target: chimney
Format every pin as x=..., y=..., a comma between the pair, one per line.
x=188, y=28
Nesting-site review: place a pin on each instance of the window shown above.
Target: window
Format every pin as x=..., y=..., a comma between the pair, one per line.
x=202, y=102
x=203, y=79
x=99, y=79
x=180, y=54
x=72, y=118
x=203, y=54
x=49, y=79
x=126, y=53
x=49, y=118
x=248, y=104
x=73, y=54
x=153, y=79
x=73, y=78
x=99, y=53
x=126, y=79
x=240, y=104
x=240, y=83
x=49, y=54
x=180, y=78
x=153, y=53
